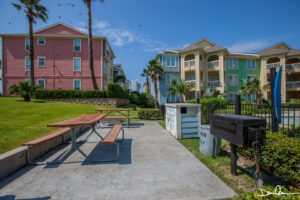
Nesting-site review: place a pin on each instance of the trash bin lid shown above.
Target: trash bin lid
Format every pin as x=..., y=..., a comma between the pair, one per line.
x=206, y=126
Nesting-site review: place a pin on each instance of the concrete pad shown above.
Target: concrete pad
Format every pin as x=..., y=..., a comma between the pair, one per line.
x=152, y=165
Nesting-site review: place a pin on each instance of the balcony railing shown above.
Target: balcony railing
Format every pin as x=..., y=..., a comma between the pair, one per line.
x=276, y=65
x=214, y=84
x=190, y=63
x=293, y=66
x=293, y=84
x=192, y=82
x=213, y=64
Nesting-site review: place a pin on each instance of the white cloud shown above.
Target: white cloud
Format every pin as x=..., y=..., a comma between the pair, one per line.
x=248, y=46
x=122, y=36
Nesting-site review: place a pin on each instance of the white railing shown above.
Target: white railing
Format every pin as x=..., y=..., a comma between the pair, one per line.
x=214, y=84
x=213, y=64
x=293, y=84
x=190, y=63
x=192, y=82
x=276, y=65
x=292, y=66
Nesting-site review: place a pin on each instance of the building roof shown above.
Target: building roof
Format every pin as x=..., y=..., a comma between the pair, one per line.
x=205, y=45
x=278, y=48
x=66, y=26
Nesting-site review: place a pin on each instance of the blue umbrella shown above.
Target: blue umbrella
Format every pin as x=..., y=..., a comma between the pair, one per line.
x=277, y=94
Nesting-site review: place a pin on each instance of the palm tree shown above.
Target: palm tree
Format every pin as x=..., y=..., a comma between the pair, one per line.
x=90, y=40
x=156, y=73
x=146, y=74
x=33, y=11
x=180, y=88
x=254, y=88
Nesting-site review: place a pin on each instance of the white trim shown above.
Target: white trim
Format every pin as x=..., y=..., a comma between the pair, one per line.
x=26, y=45
x=38, y=61
x=41, y=79
x=74, y=44
x=38, y=40
x=59, y=23
x=74, y=83
x=26, y=63
x=74, y=64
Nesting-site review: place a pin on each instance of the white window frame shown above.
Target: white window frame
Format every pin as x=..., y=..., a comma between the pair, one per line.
x=237, y=80
x=251, y=66
x=74, y=80
x=74, y=64
x=26, y=64
x=233, y=94
x=41, y=79
x=27, y=38
x=251, y=75
x=230, y=64
x=74, y=50
x=38, y=41
x=38, y=61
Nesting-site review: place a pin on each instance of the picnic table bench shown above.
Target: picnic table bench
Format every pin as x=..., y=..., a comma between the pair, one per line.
x=124, y=113
x=78, y=122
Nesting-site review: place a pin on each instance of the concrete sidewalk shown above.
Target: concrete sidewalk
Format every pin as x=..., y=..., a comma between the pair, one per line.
x=152, y=165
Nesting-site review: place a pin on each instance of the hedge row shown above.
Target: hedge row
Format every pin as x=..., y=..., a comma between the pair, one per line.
x=150, y=114
x=69, y=94
x=280, y=156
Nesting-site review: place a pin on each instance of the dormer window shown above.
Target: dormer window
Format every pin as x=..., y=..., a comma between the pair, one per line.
x=27, y=44
x=41, y=41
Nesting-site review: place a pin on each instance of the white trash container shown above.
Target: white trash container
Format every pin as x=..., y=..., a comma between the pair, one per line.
x=209, y=144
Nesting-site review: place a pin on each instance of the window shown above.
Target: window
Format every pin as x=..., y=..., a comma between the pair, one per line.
x=104, y=68
x=77, y=64
x=232, y=64
x=27, y=44
x=27, y=63
x=77, y=45
x=250, y=64
x=77, y=84
x=41, y=61
x=41, y=83
x=233, y=80
x=250, y=78
x=231, y=97
x=170, y=61
x=41, y=41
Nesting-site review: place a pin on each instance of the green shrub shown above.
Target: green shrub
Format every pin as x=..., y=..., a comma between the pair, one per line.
x=68, y=94
x=280, y=156
x=24, y=89
x=146, y=100
x=114, y=90
x=134, y=97
x=150, y=114
x=191, y=101
x=210, y=106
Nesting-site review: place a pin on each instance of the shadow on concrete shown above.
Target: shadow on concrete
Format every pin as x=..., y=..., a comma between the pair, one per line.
x=13, y=197
x=15, y=176
x=109, y=152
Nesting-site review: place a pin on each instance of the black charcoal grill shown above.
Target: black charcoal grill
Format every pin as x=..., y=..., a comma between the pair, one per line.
x=239, y=130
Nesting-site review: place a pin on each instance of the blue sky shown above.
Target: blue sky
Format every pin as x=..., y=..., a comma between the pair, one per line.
x=138, y=29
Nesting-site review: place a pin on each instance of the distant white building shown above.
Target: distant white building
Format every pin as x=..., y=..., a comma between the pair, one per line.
x=135, y=85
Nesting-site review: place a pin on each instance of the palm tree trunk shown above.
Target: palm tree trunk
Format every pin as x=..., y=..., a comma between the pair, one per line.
x=31, y=51
x=90, y=41
x=147, y=82
x=155, y=92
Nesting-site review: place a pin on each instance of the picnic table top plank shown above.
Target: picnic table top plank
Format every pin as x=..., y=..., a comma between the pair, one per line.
x=114, y=109
x=85, y=119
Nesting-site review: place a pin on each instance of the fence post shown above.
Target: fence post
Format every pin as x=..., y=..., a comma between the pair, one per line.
x=238, y=106
x=275, y=125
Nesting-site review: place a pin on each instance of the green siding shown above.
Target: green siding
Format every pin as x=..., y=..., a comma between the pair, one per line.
x=242, y=73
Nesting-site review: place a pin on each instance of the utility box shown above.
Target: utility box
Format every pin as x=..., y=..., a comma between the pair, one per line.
x=183, y=119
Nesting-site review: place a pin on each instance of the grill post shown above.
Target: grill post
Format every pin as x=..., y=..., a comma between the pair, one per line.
x=233, y=147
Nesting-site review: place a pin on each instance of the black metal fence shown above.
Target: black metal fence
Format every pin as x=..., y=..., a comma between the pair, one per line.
x=290, y=115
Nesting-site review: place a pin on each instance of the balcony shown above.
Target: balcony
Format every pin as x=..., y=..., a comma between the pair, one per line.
x=191, y=82
x=212, y=65
x=189, y=65
x=294, y=66
x=293, y=85
x=276, y=65
x=214, y=84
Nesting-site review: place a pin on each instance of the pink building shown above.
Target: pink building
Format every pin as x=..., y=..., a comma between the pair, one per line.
x=61, y=59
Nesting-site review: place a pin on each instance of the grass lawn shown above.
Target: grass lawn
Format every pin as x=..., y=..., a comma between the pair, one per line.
x=23, y=121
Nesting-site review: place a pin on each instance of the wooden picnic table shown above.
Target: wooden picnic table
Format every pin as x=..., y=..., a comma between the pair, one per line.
x=80, y=121
x=124, y=113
